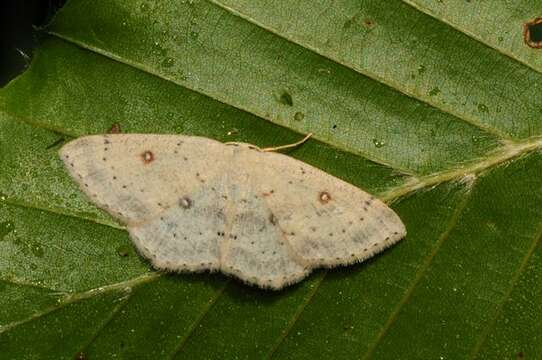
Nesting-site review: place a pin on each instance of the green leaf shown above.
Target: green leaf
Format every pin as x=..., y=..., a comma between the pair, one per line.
x=418, y=102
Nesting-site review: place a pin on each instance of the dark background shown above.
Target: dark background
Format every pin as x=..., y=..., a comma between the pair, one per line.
x=19, y=33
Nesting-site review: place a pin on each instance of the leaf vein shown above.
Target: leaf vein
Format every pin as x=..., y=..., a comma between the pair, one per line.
x=201, y=316
x=422, y=271
x=513, y=283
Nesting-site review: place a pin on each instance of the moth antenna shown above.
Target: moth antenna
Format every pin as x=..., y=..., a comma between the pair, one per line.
x=282, y=147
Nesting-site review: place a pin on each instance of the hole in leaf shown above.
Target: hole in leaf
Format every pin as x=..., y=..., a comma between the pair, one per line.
x=532, y=33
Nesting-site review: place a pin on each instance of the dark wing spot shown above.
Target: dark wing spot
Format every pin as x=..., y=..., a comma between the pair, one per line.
x=185, y=202
x=147, y=156
x=273, y=219
x=324, y=197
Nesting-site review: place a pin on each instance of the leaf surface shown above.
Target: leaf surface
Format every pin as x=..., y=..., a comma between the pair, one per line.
x=411, y=101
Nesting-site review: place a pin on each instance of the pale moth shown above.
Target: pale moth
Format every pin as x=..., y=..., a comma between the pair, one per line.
x=192, y=204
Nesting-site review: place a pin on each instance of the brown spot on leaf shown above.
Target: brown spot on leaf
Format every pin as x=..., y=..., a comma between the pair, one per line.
x=368, y=23
x=115, y=129
x=80, y=356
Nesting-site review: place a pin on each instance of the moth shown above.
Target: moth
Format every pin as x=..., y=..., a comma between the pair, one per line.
x=192, y=204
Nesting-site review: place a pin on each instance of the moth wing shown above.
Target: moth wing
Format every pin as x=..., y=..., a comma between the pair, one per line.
x=325, y=221
x=136, y=177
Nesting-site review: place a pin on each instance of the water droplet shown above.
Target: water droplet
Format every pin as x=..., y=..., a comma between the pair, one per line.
x=5, y=228
x=483, y=108
x=194, y=34
x=421, y=69
x=37, y=250
x=378, y=143
x=179, y=128
x=123, y=250
x=158, y=49
x=168, y=62
x=298, y=116
x=475, y=139
x=143, y=7
x=181, y=75
x=233, y=131
x=286, y=98
x=434, y=91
